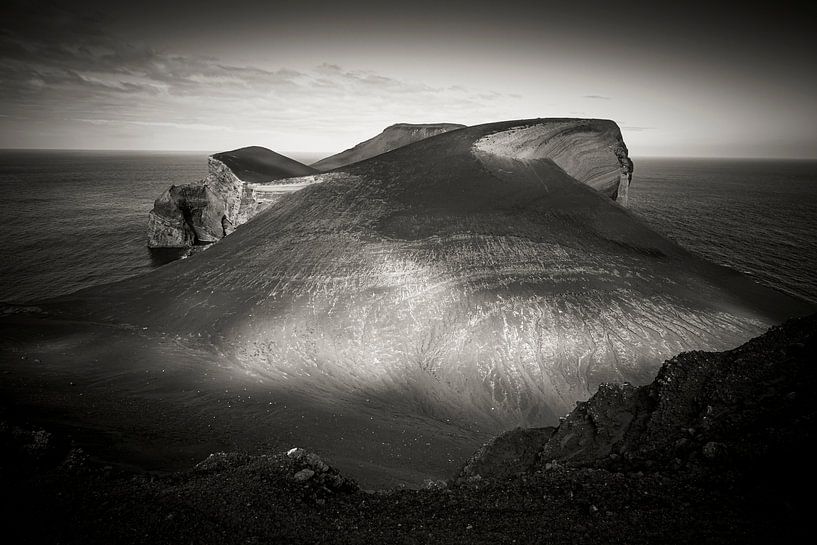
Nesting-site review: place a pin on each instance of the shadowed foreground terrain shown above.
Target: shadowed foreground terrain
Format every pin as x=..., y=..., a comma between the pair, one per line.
x=718, y=449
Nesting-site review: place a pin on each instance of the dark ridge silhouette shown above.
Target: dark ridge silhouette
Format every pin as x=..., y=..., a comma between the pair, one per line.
x=257, y=164
x=392, y=137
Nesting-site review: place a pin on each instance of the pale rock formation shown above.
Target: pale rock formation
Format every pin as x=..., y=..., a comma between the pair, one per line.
x=210, y=209
x=231, y=189
x=186, y=214
x=591, y=151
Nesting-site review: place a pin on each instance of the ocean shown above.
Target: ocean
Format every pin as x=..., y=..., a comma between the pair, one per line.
x=755, y=216
x=77, y=219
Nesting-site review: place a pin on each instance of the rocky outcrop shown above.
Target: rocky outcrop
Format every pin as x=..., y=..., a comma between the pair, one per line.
x=703, y=413
x=208, y=210
x=510, y=453
x=393, y=137
x=185, y=215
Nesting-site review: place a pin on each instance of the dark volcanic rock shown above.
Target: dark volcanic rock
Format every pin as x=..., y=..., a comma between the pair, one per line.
x=508, y=454
x=734, y=407
x=185, y=215
x=591, y=430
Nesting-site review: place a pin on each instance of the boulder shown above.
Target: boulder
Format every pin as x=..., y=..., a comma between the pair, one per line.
x=508, y=454
x=185, y=215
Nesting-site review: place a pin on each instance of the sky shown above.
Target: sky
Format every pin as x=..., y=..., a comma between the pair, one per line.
x=680, y=78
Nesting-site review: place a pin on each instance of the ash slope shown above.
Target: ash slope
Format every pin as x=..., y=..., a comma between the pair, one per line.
x=717, y=450
x=463, y=277
x=392, y=137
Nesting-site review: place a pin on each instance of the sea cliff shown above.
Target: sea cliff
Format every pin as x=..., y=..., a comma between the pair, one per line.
x=212, y=208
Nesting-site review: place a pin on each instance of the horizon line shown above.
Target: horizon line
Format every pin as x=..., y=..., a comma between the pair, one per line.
x=329, y=153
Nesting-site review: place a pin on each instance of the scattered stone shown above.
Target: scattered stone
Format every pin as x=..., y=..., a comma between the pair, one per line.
x=432, y=484
x=314, y=461
x=75, y=459
x=304, y=475
x=296, y=453
x=714, y=450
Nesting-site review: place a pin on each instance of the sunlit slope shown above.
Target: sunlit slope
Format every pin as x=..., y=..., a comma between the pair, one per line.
x=482, y=282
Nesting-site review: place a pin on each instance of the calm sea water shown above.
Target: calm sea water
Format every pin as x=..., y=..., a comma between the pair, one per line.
x=756, y=216
x=76, y=219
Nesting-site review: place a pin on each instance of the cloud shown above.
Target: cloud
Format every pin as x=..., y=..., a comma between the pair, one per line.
x=597, y=97
x=66, y=67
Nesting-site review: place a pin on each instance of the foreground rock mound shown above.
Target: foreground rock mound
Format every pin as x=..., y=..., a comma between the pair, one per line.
x=506, y=455
x=393, y=137
x=212, y=208
x=735, y=411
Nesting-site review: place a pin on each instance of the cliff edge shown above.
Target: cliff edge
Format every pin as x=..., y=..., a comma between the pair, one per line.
x=592, y=151
x=210, y=209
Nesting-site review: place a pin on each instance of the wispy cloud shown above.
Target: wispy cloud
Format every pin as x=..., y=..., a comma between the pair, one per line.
x=72, y=69
x=597, y=97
